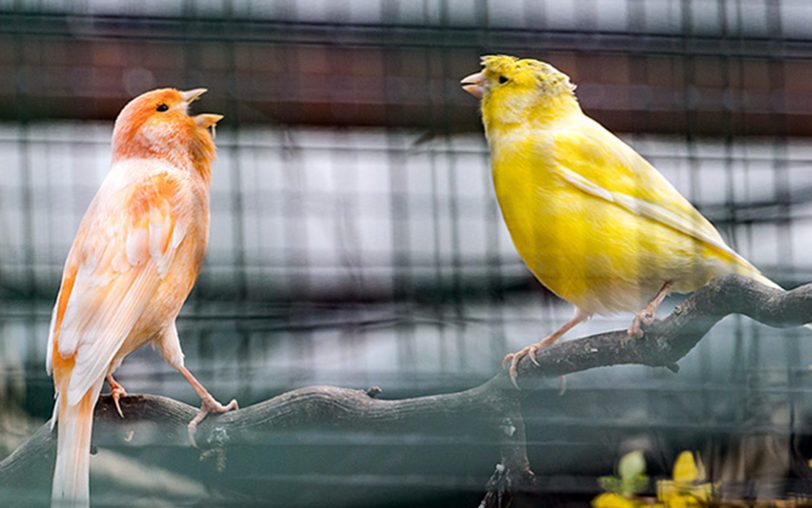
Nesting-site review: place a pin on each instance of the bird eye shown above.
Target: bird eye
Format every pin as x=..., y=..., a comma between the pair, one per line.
x=162, y=107
x=503, y=80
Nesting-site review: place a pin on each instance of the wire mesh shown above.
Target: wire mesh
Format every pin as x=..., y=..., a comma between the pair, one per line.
x=355, y=237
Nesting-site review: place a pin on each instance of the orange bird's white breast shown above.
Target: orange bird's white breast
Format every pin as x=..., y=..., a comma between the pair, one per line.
x=134, y=260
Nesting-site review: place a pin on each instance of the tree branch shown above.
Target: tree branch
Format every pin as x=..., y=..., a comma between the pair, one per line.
x=666, y=341
x=159, y=420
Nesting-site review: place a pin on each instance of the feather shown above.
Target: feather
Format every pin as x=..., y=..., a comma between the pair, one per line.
x=116, y=273
x=70, y=487
x=651, y=211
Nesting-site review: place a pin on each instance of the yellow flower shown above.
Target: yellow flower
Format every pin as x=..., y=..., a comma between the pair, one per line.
x=686, y=469
x=612, y=500
x=684, y=490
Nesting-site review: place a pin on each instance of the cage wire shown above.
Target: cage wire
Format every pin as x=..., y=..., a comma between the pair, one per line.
x=355, y=236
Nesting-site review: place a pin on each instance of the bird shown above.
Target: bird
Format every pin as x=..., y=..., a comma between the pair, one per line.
x=135, y=258
x=592, y=220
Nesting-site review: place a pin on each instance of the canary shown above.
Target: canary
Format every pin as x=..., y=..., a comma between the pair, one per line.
x=133, y=262
x=591, y=218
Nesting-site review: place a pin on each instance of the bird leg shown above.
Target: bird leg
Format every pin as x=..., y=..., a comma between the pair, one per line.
x=208, y=404
x=117, y=391
x=513, y=359
x=649, y=312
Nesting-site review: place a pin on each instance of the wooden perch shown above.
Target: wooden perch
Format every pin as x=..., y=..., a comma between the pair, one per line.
x=159, y=420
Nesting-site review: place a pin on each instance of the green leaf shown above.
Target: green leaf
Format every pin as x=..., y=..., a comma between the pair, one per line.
x=610, y=484
x=634, y=485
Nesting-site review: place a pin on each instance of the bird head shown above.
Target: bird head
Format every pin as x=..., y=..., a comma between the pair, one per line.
x=516, y=90
x=157, y=124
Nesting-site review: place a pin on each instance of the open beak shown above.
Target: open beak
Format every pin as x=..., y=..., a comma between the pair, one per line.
x=189, y=96
x=474, y=84
x=203, y=120
x=206, y=120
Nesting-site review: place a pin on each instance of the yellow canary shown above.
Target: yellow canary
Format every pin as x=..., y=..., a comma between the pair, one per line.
x=592, y=219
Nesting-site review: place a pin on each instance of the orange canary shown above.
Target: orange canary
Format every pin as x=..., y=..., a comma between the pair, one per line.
x=134, y=260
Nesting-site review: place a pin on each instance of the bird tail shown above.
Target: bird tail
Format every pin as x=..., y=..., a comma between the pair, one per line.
x=71, y=484
x=759, y=277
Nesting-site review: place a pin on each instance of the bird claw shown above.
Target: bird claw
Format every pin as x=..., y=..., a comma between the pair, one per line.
x=644, y=317
x=648, y=314
x=208, y=405
x=117, y=392
x=635, y=331
x=512, y=362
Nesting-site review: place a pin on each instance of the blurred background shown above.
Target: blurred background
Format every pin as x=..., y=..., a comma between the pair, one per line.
x=356, y=240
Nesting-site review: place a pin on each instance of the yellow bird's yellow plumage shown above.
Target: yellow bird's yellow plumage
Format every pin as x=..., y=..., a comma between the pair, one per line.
x=592, y=219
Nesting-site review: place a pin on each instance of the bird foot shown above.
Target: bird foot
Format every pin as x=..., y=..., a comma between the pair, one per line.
x=648, y=315
x=530, y=351
x=208, y=405
x=511, y=361
x=116, y=391
x=644, y=317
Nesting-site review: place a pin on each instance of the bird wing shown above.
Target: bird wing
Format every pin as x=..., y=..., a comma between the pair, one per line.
x=596, y=162
x=122, y=250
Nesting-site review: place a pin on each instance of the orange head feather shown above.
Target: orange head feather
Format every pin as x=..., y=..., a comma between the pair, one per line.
x=156, y=124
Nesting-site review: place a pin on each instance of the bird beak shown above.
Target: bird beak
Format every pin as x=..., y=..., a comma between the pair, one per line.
x=206, y=120
x=203, y=120
x=190, y=96
x=474, y=84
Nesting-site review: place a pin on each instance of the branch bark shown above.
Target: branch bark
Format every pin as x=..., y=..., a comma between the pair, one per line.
x=159, y=420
